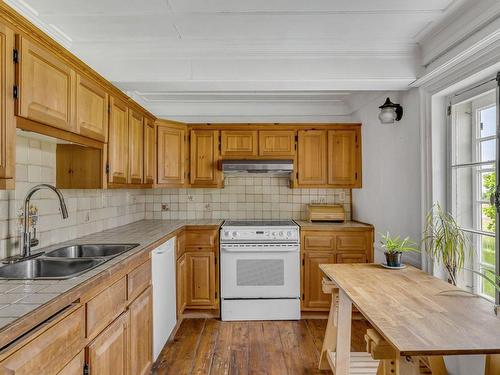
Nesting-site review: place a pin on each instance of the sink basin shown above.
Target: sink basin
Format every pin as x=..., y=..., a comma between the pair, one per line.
x=40, y=268
x=90, y=251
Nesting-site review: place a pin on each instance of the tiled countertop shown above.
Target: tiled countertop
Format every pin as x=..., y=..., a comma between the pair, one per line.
x=18, y=298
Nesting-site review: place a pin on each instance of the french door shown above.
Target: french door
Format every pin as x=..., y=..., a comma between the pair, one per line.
x=473, y=181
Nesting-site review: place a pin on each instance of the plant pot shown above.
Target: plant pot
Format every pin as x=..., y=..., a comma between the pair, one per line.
x=393, y=259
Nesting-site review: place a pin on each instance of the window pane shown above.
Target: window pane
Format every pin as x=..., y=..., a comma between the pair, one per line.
x=488, y=118
x=488, y=183
x=486, y=287
x=463, y=134
x=488, y=250
x=488, y=150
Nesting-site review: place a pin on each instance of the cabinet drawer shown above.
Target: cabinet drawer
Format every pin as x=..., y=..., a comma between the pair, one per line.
x=103, y=308
x=319, y=241
x=50, y=350
x=355, y=241
x=200, y=239
x=138, y=280
x=351, y=257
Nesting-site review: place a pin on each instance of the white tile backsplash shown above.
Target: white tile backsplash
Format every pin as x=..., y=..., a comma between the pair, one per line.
x=90, y=211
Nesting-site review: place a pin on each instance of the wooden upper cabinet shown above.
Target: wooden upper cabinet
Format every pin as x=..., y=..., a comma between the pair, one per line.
x=91, y=109
x=204, y=157
x=239, y=143
x=149, y=152
x=108, y=353
x=7, y=120
x=46, y=87
x=344, y=158
x=171, y=140
x=276, y=143
x=136, y=147
x=118, y=146
x=312, y=154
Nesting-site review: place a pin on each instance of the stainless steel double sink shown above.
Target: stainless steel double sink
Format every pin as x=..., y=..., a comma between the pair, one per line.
x=64, y=263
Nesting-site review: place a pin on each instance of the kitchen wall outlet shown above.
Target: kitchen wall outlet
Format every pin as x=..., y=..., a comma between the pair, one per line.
x=87, y=217
x=164, y=207
x=342, y=196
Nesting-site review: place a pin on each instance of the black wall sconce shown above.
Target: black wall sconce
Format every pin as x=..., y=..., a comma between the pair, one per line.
x=390, y=112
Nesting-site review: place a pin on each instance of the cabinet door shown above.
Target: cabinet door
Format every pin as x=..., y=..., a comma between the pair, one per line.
x=108, y=353
x=276, y=143
x=149, y=152
x=171, y=154
x=118, y=142
x=91, y=109
x=181, y=273
x=7, y=120
x=75, y=366
x=351, y=257
x=204, y=157
x=314, y=298
x=136, y=147
x=141, y=334
x=343, y=158
x=201, y=279
x=46, y=87
x=239, y=143
x=312, y=163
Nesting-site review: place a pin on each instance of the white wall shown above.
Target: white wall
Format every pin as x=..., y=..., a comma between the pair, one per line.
x=390, y=197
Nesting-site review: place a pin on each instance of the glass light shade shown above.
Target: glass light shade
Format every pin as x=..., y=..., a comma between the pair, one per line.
x=387, y=115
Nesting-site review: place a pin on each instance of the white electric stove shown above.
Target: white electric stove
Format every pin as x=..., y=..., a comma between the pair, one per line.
x=260, y=270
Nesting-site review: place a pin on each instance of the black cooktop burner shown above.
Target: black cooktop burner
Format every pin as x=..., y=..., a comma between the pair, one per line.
x=258, y=223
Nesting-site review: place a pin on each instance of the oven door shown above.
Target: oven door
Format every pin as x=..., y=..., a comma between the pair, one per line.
x=260, y=271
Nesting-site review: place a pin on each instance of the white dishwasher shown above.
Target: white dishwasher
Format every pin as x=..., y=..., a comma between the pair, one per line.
x=164, y=300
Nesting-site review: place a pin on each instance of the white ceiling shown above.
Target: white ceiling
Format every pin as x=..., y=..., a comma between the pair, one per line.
x=166, y=52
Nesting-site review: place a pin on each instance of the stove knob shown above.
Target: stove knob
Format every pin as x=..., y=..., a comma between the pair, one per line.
x=289, y=233
x=281, y=234
x=235, y=234
x=226, y=234
x=273, y=234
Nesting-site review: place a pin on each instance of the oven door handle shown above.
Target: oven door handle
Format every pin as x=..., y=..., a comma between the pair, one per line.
x=257, y=250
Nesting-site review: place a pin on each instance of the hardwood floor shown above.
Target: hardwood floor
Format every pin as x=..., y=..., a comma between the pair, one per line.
x=209, y=346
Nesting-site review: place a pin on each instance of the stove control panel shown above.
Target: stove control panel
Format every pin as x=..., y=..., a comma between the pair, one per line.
x=260, y=234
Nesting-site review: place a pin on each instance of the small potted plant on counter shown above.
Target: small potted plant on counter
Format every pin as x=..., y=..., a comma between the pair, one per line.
x=394, y=247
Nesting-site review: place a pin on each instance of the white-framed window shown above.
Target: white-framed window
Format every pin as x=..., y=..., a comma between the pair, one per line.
x=472, y=179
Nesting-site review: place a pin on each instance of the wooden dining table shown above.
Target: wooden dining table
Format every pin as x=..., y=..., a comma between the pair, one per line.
x=416, y=313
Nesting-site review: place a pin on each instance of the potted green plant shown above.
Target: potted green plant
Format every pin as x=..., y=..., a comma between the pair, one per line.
x=445, y=243
x=394, y=247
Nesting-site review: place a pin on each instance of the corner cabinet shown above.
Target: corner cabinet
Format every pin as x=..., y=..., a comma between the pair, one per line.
x=320, y=245
x=171, y=153
x=204, y=171
x=46, y=87
x=7, y=119
x=118, y=147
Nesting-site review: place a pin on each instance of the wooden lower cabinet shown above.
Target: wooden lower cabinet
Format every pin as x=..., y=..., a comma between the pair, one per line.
x=75, y=366
x=321, y=246
x=181, y=289
x=108, y=353
x=201, y=279
x=141, y=333
x=197, y=271
x=312, y=295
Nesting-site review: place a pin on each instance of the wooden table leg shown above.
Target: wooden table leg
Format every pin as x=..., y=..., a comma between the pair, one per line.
x=330, y=340
x=343, y=352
